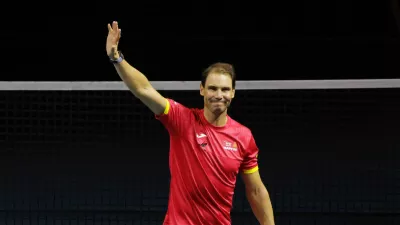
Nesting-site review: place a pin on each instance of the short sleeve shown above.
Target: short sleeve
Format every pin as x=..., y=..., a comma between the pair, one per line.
x=250, y=161
x=174, y=116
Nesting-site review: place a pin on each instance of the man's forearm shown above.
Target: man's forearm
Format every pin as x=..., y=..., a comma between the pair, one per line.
x=132, y=77
x=260, y=203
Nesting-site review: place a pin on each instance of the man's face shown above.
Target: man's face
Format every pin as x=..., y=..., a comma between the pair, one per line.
x=218, y=92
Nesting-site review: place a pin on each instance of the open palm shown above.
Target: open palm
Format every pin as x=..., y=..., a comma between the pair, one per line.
x=114, y=34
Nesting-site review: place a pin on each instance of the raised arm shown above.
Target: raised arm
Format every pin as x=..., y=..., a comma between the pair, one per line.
x=137, y=82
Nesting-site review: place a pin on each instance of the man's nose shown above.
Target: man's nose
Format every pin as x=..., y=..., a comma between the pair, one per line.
x=218, y=94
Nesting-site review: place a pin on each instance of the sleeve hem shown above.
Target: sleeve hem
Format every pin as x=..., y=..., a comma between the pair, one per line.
x=166, y=110
x=252, y=170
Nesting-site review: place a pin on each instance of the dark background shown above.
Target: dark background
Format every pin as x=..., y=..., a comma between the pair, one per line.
x=100, y=157
x=326, y=156
x=175, y=41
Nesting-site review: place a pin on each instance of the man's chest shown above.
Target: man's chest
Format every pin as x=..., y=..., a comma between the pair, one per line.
x=220, y=150
x=218, y=144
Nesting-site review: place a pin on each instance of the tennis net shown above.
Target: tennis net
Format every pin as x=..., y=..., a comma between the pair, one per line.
x=329, y=150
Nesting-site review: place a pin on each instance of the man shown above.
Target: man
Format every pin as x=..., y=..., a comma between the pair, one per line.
x=207, y=147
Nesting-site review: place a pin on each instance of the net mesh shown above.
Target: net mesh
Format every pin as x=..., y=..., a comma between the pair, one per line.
x=100, y=157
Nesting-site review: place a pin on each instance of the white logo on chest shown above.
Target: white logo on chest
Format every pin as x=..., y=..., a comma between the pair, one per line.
x=201, y=135
x=229, y=146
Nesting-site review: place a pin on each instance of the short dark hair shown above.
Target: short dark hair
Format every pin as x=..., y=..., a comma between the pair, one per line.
x=219, y=67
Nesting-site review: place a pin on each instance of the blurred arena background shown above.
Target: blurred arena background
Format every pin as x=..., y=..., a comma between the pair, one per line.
x=76, y=147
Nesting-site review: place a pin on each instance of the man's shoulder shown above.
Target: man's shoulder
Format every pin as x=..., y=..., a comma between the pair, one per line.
x=174, y=102
x=239, y=126
x=181, y=106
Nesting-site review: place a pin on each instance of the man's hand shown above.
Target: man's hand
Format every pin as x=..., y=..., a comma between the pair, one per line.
x=114, y=34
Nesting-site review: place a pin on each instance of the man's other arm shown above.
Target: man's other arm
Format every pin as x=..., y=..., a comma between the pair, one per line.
x=258, y=198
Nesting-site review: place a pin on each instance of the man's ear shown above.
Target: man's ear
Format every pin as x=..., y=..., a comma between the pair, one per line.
x=201, y=90
x=233, y=93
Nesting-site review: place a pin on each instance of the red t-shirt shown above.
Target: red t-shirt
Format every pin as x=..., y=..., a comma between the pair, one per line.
x=204, y=162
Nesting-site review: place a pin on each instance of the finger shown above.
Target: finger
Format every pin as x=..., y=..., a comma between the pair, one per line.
x=119, y=33
x=115, y=26
x=109, y=28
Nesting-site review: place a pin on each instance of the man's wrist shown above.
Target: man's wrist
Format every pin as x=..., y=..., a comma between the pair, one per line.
x=117, y=58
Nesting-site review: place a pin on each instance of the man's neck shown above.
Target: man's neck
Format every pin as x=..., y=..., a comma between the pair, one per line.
x=217, y=120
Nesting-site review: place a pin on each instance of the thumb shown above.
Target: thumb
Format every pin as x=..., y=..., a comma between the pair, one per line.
x=114, y=50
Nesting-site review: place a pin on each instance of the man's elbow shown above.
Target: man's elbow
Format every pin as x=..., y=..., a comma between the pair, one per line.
x=260, y=203
x=258, y=192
